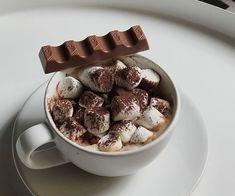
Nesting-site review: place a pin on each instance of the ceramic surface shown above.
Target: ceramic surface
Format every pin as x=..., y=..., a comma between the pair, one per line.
x=184, y=158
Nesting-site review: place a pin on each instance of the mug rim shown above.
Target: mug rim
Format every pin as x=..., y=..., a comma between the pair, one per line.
x=165, y=133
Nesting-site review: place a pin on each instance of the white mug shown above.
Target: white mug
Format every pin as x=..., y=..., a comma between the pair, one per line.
x=95, y=162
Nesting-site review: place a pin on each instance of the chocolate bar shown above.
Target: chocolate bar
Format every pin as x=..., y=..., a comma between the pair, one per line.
x=93, y=49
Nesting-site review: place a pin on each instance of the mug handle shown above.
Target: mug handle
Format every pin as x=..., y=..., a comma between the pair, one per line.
x=31, y=139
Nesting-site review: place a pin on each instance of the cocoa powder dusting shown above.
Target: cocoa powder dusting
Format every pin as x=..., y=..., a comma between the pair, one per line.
x=60, y=110
x=90, y=99
x=132, y=74
x=72, y=129
x=103, y=79
x=123, y=103
x=142, y=97
x=63, y=104
x=162, y=106
x=112, y=138
x=95, y=116
x=119, y=126
x=150, y=87
x=91, y=122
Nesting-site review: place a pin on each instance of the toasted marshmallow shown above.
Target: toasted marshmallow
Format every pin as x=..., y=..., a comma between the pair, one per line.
x=69, y=88
x=125, y=108
x=97, y=120
x=128, y=78
x=110, y=143
x=141, y=135
x=124, y=129
x=150, y=118
x=90, y=99
x=61, y=110
x=161, y=105
x=72, y=129
x=150, y=80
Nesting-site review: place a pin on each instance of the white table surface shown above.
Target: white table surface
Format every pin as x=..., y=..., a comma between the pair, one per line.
x=206, y=74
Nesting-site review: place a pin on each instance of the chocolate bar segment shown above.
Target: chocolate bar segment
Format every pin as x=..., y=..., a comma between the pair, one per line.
x=93, y=49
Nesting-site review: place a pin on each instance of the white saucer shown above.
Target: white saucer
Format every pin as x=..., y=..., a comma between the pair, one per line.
x=175, y=172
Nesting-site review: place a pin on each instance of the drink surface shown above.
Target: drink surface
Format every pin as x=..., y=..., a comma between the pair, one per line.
x=111, y=107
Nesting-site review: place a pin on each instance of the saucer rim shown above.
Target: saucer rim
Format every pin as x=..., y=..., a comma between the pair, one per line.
x=181, y=94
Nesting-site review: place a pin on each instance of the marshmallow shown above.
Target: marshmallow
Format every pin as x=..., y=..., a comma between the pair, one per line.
x=141, y=135
x=142, y=96
x=150, y=80
x=97, y=78
x=90, y=99
x=61, y=110
x=72, y=129
x=110, y=143
x=150, y=118
x=117, y=66
x=102, y=80
x=79, y=115
x=161, y=105
x=84, y=74
x=128, y=78
x=92, y=147
x=125, y=108
x=124, y=129
x=96, y=120
x=122, y=92
x=69, y=88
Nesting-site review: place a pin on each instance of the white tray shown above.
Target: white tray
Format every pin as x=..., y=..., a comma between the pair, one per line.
x=200, y=60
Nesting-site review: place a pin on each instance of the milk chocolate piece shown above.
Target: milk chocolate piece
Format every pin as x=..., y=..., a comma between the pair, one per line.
x=93, y=49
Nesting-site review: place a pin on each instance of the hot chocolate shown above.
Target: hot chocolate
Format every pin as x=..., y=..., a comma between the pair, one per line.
x=115, y=106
